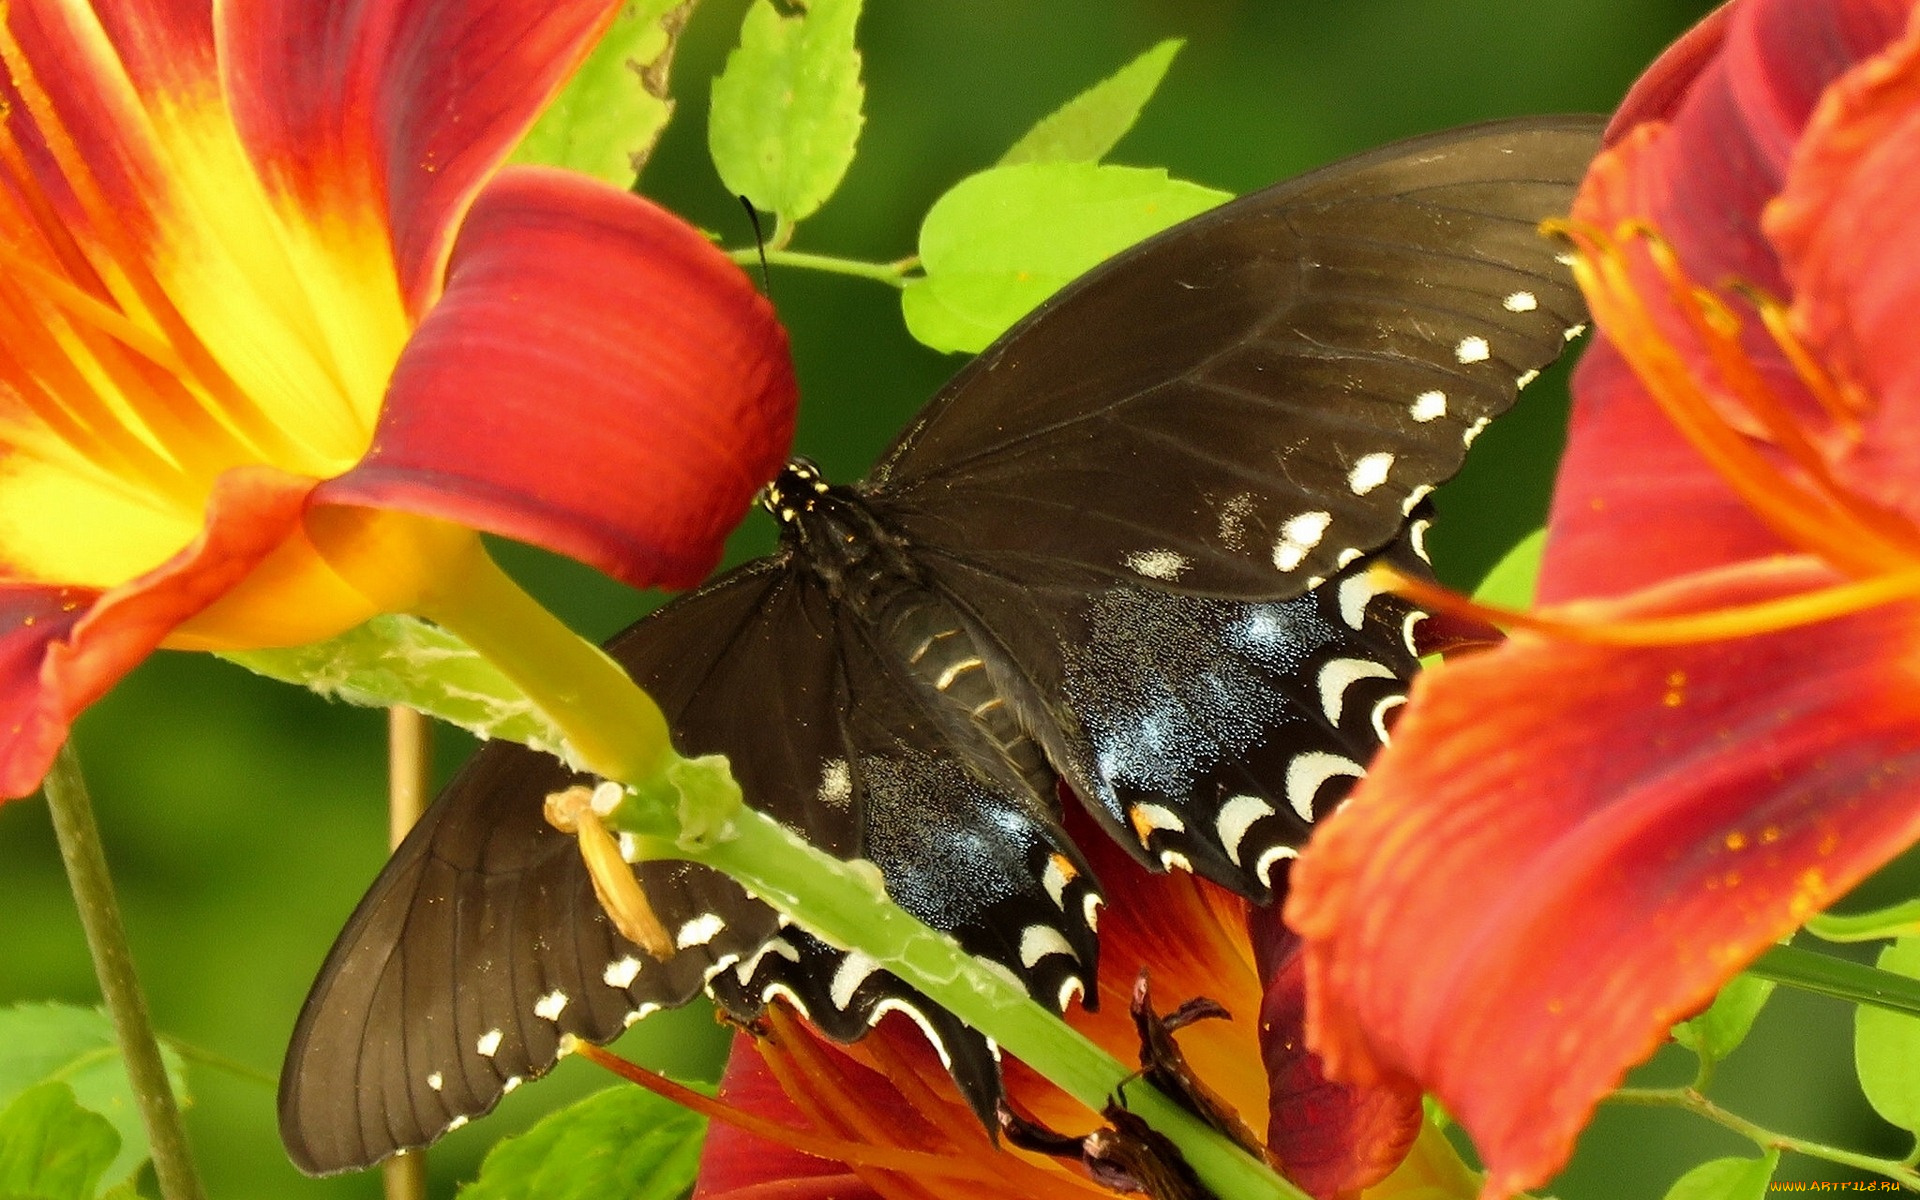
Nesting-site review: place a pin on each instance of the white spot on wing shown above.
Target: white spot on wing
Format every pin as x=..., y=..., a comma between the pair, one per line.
x=1369, y=473
x=699, y=931
x=1298, y=537
x=782, y=991
x=1414, y=497
x=852, y=972
x=436, y=1081
x=1055, y=881
x=1429, y=406
x=1417, y=538
x=891, y=1004
x=1233, y=520
x=1573, y=332
x=639, y=1014
x=1236, y=817
x=1038, y=941
x=1308, y=771
x=1090, y=909
x=1521, y=302
x=454, y=1124
x=1472, y=350
x=836, y=783
x=621, y=974
x=1158, y=564
x=1171, y=859
x=1264, y=868
x=509, y=1083
x=1406, y=631
x=1340, y=674
x=1380, y=710
x=1474, y=430
x=1525, y=378
x=1071, y=989
x=1155, y=816
x=1356, y=591
x=489, y=1043
x=550, y=1006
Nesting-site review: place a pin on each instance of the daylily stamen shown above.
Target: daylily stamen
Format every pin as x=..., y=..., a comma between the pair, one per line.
x=853, y=1153
x=1822, y=524
x=1770, y=616
x=1845, y=406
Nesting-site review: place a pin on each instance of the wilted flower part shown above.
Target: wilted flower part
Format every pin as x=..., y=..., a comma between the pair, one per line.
x=1714, y=732
x=279, y=336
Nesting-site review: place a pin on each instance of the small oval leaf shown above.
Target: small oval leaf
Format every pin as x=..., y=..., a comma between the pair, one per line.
x=786, y=109
x=76, y=1046
x=1886, y=1046
x=1087, y=126
x=624, y=1142
x=1727, y=1179
x=51, y=1148
x=1719, y=1030
x=999, y=242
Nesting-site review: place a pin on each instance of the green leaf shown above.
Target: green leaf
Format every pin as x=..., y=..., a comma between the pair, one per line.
x=76, y=1046
x=1899, y=920
x=1001, y=241
x=1825, y=975
x=403, y=660
x=1510, y=583
x=786, y=110
x=1886, y=1046
x=51, y=1148
x=1727, y=1179
x=1716, y=1033
x=607, y=119
x=1087, y=126
x=624, y=1142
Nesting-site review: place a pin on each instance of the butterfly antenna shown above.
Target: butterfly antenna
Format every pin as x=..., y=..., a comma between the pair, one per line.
x=760, y=243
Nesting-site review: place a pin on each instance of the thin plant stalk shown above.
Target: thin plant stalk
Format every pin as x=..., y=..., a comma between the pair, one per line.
x=409, y=784
x=93, y=895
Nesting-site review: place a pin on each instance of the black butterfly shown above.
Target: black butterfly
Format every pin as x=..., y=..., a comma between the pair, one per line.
x=1123, y=551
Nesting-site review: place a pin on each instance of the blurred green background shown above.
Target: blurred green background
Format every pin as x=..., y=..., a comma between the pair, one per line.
x=244, y=819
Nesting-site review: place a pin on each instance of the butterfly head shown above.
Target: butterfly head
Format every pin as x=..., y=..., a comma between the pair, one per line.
x=795, y=490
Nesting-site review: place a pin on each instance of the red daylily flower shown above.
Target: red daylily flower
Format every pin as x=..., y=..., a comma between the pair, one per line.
x=881, y=1118
x=279, y=334
x=1578, y=837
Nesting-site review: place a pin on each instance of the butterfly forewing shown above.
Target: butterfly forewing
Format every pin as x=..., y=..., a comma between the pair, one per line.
x=1251, y=400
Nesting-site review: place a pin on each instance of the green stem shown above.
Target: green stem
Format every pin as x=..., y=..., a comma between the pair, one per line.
x=1691, y=1101
x=86, y=863
x=220, y=1062
x=1827, y=976
x=613, y=728
x=892, y=273
x=692, y=809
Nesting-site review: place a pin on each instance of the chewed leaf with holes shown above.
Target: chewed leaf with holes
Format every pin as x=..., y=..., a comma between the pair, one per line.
x=1122, y=557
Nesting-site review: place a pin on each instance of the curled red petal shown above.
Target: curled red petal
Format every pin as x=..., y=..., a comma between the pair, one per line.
x=597, y=380
x=1567, y=848
x=78, y=648
x=1334, y=1139
x=418, y=99
x=1844, y=226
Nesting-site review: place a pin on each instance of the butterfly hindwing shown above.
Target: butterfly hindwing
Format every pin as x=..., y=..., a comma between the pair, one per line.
x=1247, y=402
x=1202, y=733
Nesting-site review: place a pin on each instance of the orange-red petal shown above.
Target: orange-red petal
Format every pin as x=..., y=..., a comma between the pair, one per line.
x=1569, y=847
x=1845, y=229
x=741, y=1165
x=417, y=100
x=69, y=657
x=597, y=380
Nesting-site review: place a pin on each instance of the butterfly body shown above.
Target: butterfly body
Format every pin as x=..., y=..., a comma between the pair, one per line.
x=1120, y=562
